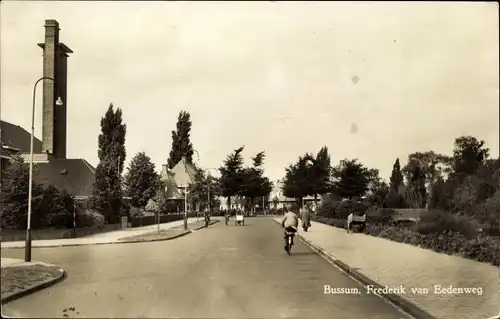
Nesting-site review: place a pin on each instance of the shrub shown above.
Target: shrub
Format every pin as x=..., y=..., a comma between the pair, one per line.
x=327, y=207
x=343, y=209
x=136, y=212
x=335, y=222
x=488, y=214
x=89, y=218
x=484, y=249
x=380, y=215
x=54, y=209
x=438, y=222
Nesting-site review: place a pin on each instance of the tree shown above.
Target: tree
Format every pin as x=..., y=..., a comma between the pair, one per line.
x=423, y=170
x=395, y=199
x=379, y=190
x=107, y=189
x=197, y=190
x=51, y=207
x=111, y=141
x=352, y=179
x=213, y=186
x=476, y=188
x=440, y=195
x=14, y=195
x=181, y=142
x=321, y=173
x=232, y=175
x=163, y=204
x=416, y=192
x=254, y=183
x=298, y=179
x=55, y=208
x=141, y=180
x=204, y=191
x=432, y=165
x=468, y=155
x=397, y=178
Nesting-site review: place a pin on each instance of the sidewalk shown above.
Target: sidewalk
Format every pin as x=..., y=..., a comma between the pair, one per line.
x=371, y=259
x=103, y=238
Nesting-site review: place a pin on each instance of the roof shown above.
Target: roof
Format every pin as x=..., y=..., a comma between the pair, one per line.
x=73, y=175
x=172, y=188
x=184, y=173
x=14, y=136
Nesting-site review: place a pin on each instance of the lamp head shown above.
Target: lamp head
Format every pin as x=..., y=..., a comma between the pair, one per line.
x=59, y=102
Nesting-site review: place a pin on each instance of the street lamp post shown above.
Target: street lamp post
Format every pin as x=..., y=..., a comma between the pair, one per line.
x=59, y=102
x=313, y=162
x=185, y=208
x=208, y=186
x=208, y=198
x=264, y=206
x=74, y=219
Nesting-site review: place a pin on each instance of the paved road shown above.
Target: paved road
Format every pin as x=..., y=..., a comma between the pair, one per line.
x=223, y=271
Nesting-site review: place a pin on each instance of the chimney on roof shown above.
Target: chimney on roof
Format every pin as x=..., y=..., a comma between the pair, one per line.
x=55, y=56
x=164, y=169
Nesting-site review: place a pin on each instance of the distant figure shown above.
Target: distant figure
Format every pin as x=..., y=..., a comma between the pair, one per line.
x=305, y=217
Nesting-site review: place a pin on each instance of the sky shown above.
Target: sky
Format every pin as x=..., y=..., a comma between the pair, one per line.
x=373, y=81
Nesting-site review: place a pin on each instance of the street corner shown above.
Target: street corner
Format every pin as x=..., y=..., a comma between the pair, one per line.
x=21, y=278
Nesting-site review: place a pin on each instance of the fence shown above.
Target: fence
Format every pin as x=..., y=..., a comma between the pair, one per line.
x=408, y=214
x=151, y=220
x=55, y=233
x=64, y=233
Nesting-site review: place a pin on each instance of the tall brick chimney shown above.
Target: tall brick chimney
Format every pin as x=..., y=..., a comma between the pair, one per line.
x=55, y=56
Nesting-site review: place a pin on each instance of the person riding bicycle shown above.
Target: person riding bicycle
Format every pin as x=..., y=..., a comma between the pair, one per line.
x=290, y=222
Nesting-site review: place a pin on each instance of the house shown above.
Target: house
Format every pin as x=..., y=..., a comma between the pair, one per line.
x=237, y=202
x=73, y=175
x=177, y=179
x=50, y=164
x=15, y=140
x=278, y=200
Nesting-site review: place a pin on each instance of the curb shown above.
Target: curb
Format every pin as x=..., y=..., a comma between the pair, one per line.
x=203, y=226
x=42, y=285
x=147, y=240
x=395, y=299
x=107, y=243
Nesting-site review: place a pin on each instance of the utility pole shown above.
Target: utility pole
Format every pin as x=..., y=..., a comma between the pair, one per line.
x=208, y=197
x=185, y=207
x=263, y=207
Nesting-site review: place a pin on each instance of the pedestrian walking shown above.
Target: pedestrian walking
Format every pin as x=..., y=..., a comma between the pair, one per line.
x=305, y=217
